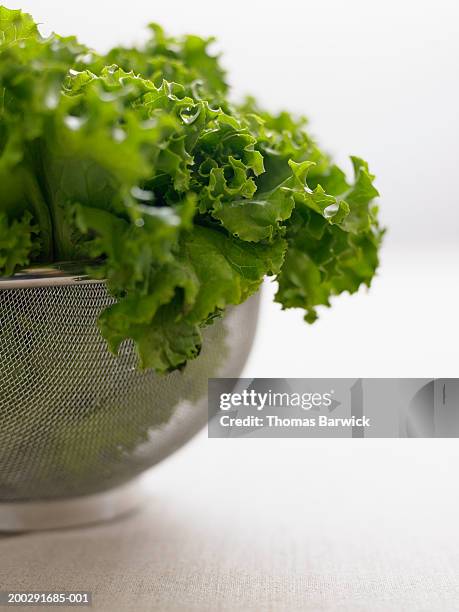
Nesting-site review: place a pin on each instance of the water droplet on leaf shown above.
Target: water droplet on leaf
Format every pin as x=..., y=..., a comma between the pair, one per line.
x=189, y=114
x=74, y=123
x=331, y=211
x=119, y=135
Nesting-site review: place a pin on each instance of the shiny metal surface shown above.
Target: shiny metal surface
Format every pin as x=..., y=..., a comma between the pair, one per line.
x=74, y=511
x=55, y=275
x=76, y=420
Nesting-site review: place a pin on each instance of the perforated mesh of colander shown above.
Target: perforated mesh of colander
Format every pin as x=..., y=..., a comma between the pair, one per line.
x=74, y=419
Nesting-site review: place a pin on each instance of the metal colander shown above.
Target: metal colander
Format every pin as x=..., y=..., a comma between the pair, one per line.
x=76, y=420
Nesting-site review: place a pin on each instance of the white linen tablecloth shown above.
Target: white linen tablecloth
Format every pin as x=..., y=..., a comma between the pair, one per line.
x=348, y=525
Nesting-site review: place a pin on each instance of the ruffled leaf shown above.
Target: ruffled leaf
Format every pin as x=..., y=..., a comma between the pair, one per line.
x=183, y=201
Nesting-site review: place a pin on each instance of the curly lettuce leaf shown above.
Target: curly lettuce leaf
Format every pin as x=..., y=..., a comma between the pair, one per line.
x=17, y=243
x=138, y=163
x=208, y=273
x=185, y=60
x=333, y=241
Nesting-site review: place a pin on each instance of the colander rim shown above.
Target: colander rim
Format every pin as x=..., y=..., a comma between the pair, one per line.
x=52, y=275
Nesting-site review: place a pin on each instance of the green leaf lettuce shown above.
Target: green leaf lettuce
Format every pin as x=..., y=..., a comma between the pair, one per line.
x=184, y=201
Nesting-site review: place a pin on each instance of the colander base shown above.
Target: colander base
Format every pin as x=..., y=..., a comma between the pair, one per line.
x=74, y=512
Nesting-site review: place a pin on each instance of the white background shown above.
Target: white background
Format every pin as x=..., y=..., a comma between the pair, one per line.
x=380, y=80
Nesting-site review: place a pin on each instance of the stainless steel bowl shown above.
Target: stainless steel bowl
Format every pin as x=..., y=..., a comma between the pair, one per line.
x=79, y=425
